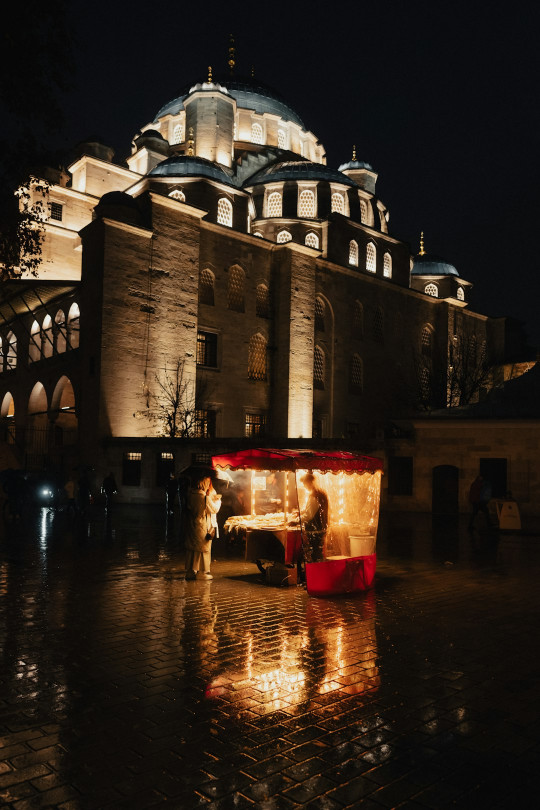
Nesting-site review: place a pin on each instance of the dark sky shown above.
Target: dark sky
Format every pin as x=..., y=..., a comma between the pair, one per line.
x=441, y=98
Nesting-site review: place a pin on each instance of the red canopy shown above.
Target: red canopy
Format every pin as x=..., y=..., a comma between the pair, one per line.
x=269, y=459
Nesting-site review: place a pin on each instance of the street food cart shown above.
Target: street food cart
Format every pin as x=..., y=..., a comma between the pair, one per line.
x=273, y=491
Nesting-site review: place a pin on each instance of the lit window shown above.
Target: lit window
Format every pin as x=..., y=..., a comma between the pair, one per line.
x=358, y=320
x=363, y=212
x=356, y=375
x=255, y=424
x=427, y=340
x=263, y=301
x=235, y=131
x=431, y=289
x=282, y=237
x=319, y=314
x=312, y=240
x=378, y=325
x=224, y=212
x=460, y=295
x=178, y=195
x=387, y=266
x=382, y=217
x=47, y=337
x=338, y=203
x=425, y=382
x=206, y=288
x=60, y=323
x=207, y=349
x=56, y=211
x=353, y=253
x=257, y=358
x=11, y=354
x=164, y=468
x=259, y=234
x=73, y=326
x=281, y=139
x=34, y=350
x=178, y=134
x=274, y=204
x=204, y=426
x=371, y=257
x=131, y=469
x=306, y=204
x=235, y=289
x=318, y=368
x=256, y=133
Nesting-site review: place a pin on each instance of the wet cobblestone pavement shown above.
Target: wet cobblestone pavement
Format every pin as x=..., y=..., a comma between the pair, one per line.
x=123, y=686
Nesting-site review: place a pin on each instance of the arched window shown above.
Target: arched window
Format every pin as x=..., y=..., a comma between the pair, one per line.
x=382, y=217
x=256, y=133
x=47, y=337
x=312, y=240
x=427, y=341
x=206, y=288
x=224, y=212
x=177, y=194
x=178, y=134
x=257, y=358
x=363, y=212
x=11, y=352
x=371, y=257
x=358, y=320
x=356, y=374
x=460, y=295
x=318, y=368
x=338, y=203
x=274, y=204
x=263, y=301
x=259, y=234
x=431, y=289
x=353, y=253
x=60, y=324
x=73, y=323
x=8, y=406
x=306, y=204
x=387, y=266
x=378, y=325
x=320, y=311
x=34, y=348
x=235, y=289
x=281, y=139
x=282, y=237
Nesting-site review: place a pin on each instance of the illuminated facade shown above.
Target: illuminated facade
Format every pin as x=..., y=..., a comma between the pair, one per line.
x=224, y=242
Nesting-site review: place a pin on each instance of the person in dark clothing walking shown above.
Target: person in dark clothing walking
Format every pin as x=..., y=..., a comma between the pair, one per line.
x=479, y=498
x=109, y=489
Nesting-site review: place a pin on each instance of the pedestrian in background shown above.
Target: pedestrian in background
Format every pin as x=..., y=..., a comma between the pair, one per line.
x=109, y=489
x=479, y=498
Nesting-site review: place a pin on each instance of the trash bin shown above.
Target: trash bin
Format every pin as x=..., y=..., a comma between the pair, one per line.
x=508, y=515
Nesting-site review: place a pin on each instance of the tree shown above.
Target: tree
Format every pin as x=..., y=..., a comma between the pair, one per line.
x=174, y=403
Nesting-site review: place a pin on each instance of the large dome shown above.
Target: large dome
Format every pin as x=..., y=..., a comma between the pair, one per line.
x=188, y=166
x=298, y=170
x=247, y=93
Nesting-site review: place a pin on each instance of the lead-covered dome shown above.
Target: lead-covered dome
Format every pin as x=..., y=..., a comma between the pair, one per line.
x=190, y=166
x=298, y=170
x=427, y=264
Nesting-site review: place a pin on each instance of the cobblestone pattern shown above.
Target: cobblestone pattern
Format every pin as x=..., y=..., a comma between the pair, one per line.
x=123, y=686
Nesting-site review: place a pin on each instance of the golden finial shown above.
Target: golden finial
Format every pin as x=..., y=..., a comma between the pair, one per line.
x=354, y=152
x=209, y=74
x=422, y=251
x=232, y=54
x=253, y=71
x=191, y=143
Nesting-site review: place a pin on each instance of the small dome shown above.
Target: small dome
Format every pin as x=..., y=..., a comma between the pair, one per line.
x=298, y=170
x=118, y=198
x=355, y=164
x=190, y=166
x=427, y=264
x=120, y=206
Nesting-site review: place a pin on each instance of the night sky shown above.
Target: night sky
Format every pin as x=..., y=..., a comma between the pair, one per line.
x=441, y=98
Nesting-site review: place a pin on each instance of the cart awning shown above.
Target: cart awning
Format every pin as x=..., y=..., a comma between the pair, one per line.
x=270, y=459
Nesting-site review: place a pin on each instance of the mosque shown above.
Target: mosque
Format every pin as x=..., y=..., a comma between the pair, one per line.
x=225, y=285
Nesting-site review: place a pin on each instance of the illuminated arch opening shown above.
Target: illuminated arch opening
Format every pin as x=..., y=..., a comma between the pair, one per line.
x=34, y=347
x=60, y=328
x=353, y=253
x=73, y=325
x=225, y=212
x=47, y=337
x=371, y=257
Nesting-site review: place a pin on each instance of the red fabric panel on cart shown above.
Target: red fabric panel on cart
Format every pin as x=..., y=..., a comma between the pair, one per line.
x=271, y=459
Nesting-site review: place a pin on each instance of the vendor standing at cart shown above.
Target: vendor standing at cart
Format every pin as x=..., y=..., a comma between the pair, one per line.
x=314, y=519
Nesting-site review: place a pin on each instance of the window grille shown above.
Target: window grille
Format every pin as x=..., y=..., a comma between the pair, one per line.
x=282, y=237
x=257, y=358
x=338, y=203
x=178, y=195
x=318, y=368
x=224, y=212
x=425, y=382
x=358, y=319
x=378, y=325
x=319, y=314
x=353, y=253
x=431, y=289
x=363, y=212
x=312, y=240
x=460, y=295
x=371, y=257
x=281, y=139
x=274, y=204
x=387, y=266
x=207, y=349
x=178, y=134
x=235, y=289
x=257, y=134
x=263, y=301
x=206, y=288
x=255, y=424
x=356, y=379
x=426, y=340
x=56, y=211
x=204, y=425
x=306, y=204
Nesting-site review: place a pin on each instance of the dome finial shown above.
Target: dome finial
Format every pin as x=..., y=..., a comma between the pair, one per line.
x=209, y=74
x=191, y=143
x=232, y=54
x=422, y=250
x=354, y=152
x=253, y=71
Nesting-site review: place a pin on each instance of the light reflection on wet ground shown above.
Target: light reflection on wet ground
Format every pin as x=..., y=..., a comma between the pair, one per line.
x=124, y=685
